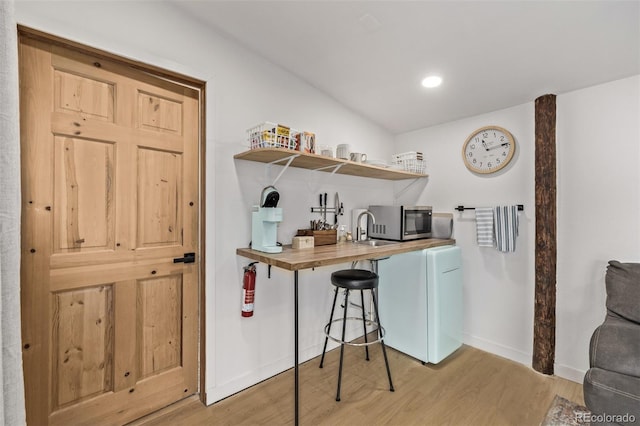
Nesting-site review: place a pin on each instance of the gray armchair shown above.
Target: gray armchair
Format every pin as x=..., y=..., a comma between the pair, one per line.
x=612, y=384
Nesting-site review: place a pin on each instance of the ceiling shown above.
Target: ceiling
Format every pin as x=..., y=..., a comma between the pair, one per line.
x=372, y=55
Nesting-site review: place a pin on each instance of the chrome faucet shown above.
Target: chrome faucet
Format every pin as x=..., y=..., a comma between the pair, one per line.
x=359, y=231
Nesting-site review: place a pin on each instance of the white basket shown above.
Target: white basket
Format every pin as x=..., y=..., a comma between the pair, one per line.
x=413, y=166
x=411, y=155
x=271, y=135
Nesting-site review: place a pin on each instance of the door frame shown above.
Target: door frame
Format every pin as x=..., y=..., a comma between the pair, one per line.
x=184, y=80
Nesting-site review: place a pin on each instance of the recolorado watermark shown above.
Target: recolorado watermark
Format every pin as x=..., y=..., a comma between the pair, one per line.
x=586, y=418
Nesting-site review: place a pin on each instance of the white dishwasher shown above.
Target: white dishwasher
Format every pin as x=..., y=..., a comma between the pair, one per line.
x=420, y=302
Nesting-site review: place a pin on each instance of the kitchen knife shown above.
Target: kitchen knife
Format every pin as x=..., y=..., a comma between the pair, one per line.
x=336, y=205
x=324, y=214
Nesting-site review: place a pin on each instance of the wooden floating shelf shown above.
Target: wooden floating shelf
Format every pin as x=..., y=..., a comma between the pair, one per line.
x=325, y=164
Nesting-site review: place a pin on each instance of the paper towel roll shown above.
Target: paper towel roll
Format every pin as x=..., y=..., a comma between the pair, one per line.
x=441, y=225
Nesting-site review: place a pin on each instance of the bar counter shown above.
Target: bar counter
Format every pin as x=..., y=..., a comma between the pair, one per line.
x=294, y=260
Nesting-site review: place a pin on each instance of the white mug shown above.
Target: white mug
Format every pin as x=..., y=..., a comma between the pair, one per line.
x=342, y=151
x=327, y=151
x=358, y=157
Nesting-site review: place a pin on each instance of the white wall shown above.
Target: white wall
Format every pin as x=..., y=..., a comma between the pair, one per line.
x=242, y=90
x=598, y=173
x=598, y=138
x=498, y=287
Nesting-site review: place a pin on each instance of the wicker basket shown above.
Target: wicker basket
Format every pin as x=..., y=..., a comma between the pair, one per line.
x=410, y=162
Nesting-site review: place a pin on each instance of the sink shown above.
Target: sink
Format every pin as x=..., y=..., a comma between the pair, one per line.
x=375, y=243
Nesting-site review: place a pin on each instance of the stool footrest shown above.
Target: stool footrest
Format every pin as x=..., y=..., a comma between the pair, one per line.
x=373, y=323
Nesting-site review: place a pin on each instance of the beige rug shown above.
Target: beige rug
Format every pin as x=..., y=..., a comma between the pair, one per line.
x=564, y=412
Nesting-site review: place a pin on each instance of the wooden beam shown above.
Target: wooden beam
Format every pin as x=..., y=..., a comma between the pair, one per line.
x=544, y=328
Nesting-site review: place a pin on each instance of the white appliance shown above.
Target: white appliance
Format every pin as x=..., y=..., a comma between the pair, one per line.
x=420, y=302
x=264, y=222
x=264, y=229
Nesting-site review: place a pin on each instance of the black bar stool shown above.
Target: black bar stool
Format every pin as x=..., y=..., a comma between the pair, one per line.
x=355, y=279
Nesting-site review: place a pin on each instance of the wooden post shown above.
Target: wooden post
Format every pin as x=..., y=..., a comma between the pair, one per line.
x=544, y=328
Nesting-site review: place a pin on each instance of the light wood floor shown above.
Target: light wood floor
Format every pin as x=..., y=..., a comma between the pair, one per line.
x=471, y=387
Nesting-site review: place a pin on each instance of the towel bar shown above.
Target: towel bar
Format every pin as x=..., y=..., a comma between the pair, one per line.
x=462, y=208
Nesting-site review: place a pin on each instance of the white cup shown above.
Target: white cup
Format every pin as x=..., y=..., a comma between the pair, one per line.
x=358, y=157
x=327, y=151
x=342, y=151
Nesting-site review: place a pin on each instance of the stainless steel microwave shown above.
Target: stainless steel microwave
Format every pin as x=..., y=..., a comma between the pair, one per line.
x=400, y=223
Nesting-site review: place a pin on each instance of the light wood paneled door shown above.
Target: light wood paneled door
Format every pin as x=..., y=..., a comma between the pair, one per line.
x=110, y=191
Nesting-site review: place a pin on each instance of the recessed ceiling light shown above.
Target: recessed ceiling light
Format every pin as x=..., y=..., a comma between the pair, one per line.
x=432, y=81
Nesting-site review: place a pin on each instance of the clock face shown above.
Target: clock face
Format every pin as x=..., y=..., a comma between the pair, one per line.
x=488, y=149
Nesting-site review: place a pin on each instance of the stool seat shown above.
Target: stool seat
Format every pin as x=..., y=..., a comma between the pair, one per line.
x=355, y=279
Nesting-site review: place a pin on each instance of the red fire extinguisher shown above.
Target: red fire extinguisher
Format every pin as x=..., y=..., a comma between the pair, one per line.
x=248, y=289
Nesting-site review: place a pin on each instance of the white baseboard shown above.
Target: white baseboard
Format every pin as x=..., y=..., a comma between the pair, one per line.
x=564, y=371
x=218, y=392
x=498, y=349
x=221, y=391
x=569, y=373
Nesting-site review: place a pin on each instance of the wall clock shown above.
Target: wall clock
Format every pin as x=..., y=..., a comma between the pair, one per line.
x=488, y=149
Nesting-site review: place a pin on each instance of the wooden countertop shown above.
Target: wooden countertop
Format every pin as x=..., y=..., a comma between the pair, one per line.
x=331, y=254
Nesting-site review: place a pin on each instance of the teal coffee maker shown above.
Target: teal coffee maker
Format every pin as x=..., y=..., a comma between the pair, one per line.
x=264, y=222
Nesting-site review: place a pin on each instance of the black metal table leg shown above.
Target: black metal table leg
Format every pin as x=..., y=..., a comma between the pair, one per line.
x=295, y=339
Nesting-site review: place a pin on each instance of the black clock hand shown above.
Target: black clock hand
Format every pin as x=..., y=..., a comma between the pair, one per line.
x=485, y=145
x=498, y=146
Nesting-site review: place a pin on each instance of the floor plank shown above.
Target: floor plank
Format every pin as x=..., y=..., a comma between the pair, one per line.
x=470, y=387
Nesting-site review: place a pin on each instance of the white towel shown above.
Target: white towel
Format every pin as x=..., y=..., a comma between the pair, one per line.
x=484, y=226
x=505, y=220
